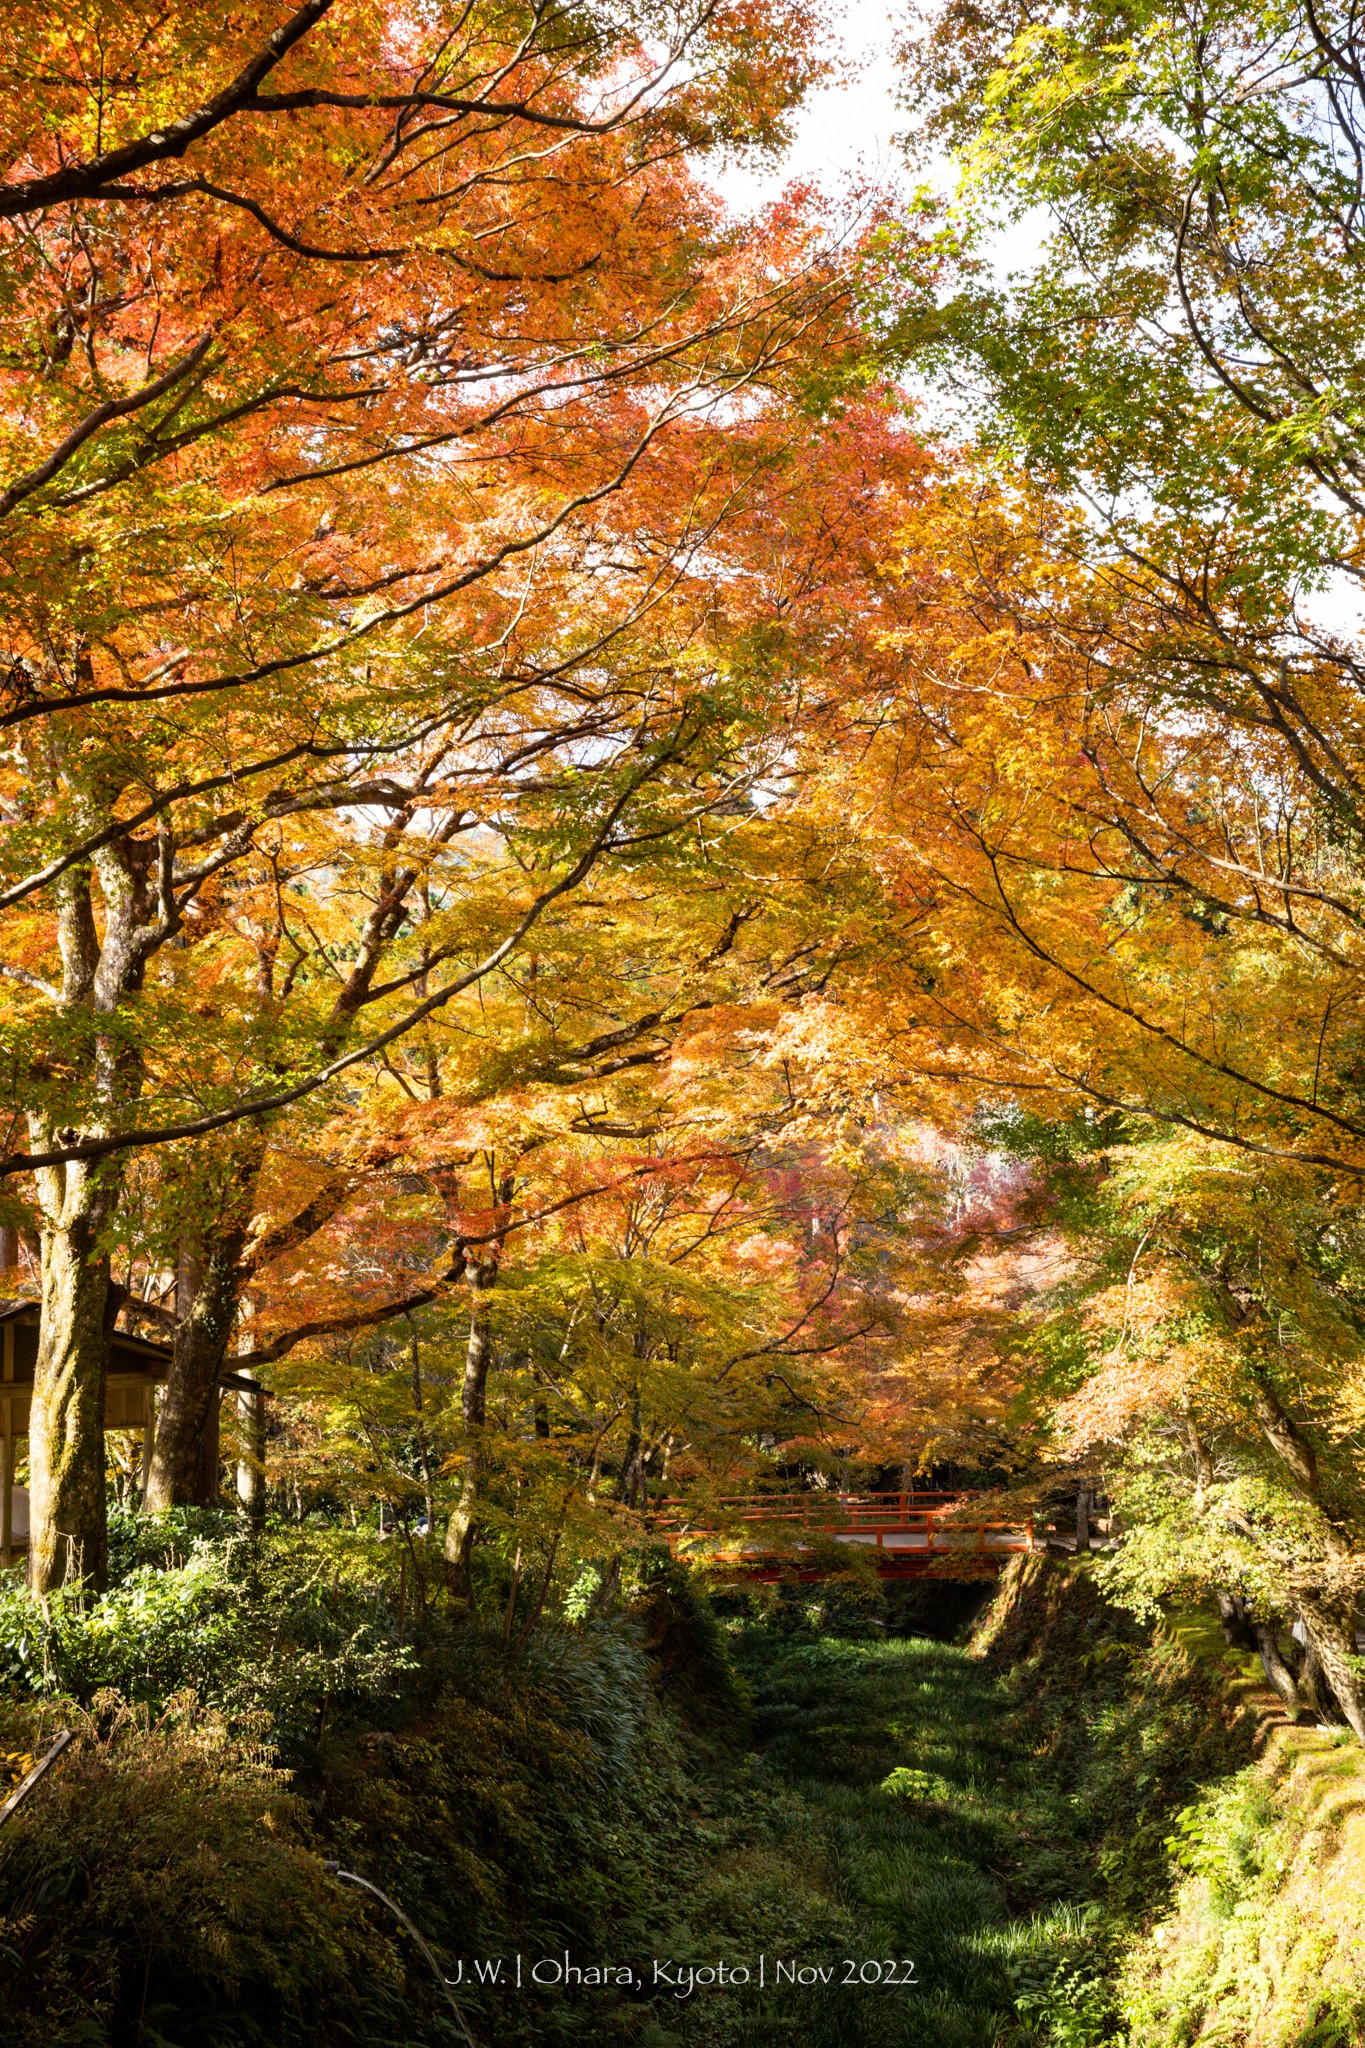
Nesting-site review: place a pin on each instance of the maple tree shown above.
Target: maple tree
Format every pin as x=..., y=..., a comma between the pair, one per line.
x=1170, y=762
x=1183, y=352
x=545, y=827
x=309, y=443
x=1144, y=922
x=656, y=1288
x=602, y=931
x=1206, y=1343
x=1173, y=376
x=1111, y=778
x=750, y=921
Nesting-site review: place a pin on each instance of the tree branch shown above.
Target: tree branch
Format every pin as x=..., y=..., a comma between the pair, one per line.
x=83, y=180
x=112, y=409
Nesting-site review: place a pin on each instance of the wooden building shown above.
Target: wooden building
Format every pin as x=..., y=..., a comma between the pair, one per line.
x=137, y=1367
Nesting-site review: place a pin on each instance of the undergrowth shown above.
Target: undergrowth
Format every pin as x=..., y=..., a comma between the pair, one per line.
x=694, y=1786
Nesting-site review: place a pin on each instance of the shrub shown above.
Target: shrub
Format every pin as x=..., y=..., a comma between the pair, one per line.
x=299, y=1630
x=163, y=1885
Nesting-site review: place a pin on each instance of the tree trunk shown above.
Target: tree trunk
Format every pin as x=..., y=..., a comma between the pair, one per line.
x=461, y=1529
x=1242, y=1631
x=604, y=1599
x=251, y=1463
x=1329, y=1617
x=207, y=1288
x=1082, y=1519
x=1239, y=1631
x=1278, y=1673
x=630, y=1484
x=1329, y=1623
x=210, y=1486
x=68, y=1536
x=420, y=1410
x=1311, y=1681
x=68, y=1525
x=184, y=1470
x=1284, y=1436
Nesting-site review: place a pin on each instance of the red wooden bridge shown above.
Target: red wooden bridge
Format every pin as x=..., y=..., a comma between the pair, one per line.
x=767, y=1536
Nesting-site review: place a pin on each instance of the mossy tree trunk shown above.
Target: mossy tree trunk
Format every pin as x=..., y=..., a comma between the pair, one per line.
x=102, y=1074
x=1082, y=1519
x=219, y=1258
x=482, y=1272
x=1329, y=1623
x=183, y=1471
x=1276, y=1670
x=68, y=1538
x=1327, y=1612
x=462, y=1528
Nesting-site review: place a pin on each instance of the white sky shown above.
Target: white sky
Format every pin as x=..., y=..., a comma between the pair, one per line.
x=849, y=127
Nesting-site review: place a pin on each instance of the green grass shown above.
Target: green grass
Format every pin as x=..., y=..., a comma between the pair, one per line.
x=891, y=1815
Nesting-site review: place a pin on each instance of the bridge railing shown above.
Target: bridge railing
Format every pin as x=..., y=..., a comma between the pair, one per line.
x=904, y=1524
x=816, y=1510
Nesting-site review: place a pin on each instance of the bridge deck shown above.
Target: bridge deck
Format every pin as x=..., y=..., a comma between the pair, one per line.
x=907, y=1533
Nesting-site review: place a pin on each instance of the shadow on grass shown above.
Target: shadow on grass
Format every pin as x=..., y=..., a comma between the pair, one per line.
x=897, y=1818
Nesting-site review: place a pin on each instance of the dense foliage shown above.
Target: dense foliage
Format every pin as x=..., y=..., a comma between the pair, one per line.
x=782, y=1773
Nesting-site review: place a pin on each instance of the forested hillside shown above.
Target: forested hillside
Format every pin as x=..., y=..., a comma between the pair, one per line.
x=682, y=1031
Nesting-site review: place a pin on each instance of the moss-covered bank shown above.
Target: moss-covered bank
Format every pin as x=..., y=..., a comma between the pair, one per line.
x=1226, y=1848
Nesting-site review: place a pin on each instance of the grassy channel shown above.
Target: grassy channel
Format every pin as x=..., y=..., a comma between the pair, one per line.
x=891, y=1814
x=1000, y=1819
x=785, y=1778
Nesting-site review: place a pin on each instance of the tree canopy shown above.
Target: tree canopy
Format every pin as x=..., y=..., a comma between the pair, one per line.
x=598, y=915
